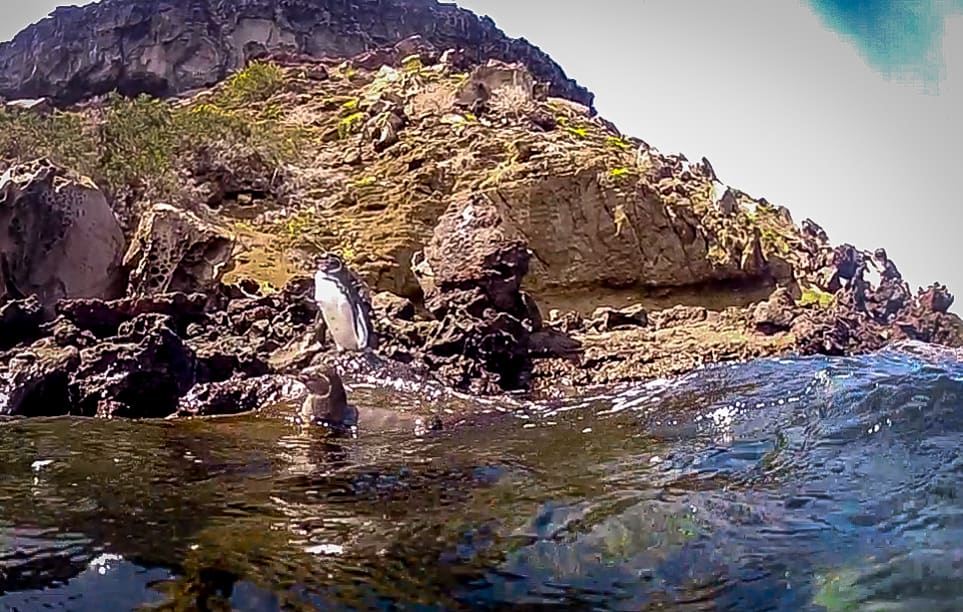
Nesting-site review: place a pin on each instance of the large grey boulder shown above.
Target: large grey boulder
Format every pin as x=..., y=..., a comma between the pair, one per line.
x=59, y=237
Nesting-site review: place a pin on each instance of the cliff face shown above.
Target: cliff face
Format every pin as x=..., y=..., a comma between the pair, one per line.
x=166, y=47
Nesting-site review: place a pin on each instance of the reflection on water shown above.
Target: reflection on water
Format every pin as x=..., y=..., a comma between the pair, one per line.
x=808, y=484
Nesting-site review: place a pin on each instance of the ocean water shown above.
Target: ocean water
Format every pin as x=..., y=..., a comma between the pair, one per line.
x=783, y=484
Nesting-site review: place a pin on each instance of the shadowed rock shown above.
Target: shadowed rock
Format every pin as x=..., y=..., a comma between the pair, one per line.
x=20, y=321
x=142, y=372
x=607, y=319
x=36, y=381
x=104, y=317
x=238, y=395
x=776, y=313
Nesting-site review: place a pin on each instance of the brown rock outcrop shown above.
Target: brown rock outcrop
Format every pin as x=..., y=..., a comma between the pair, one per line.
x=35, y=381
x=466, y=198
x=148, y=356
x=478, y=267
x=175, y=250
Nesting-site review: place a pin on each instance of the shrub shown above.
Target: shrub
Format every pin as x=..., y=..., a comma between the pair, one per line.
x=256, y=83
x=138, y=139
x=65, y=138
x=139, y=142
x=209, y=122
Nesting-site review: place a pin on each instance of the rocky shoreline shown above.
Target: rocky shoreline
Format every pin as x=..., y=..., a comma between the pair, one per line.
x=116, y=303
x=226, y=351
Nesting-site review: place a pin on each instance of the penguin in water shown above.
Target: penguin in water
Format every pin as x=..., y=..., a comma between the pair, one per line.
x=343, y=304
x=326, y=403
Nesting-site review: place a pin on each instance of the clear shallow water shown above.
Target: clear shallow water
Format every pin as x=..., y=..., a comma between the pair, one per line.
x=808, y=484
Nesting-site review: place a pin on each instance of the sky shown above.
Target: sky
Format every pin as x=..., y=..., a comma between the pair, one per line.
x=844, y=111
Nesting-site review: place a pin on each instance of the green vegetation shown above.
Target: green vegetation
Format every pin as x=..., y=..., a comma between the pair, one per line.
x=63, y=137
x=839, y=591
x=717, y=255
x=579, y=131
x=765, y=207
x=815, y=296
x=412, y=64
x=349, y=125
x=343, y=71
x=775, y=241
x=139, y=142
x=299, y=223
x=272, y=112
x=256, y=83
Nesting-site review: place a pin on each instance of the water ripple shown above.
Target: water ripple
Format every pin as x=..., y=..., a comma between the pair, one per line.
x=786, y=484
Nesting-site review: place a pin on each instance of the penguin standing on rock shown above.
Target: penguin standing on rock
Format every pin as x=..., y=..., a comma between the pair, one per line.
x=343, y=304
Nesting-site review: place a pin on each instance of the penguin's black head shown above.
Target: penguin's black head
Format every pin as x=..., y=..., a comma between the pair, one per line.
x=327, y=403
x=324, y=382
x=331, y=264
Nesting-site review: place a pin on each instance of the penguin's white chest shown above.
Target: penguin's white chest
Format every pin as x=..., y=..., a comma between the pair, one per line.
x=345, y=324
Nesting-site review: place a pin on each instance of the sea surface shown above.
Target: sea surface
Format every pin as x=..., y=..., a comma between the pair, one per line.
x=782, y=484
